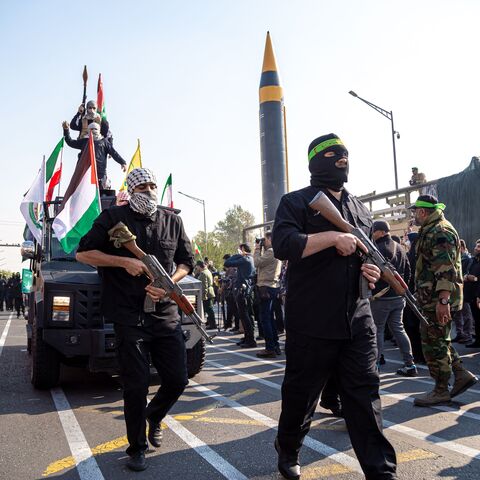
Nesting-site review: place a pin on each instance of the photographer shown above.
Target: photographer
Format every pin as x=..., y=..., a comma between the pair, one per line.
x=243, y=291
x=268, y=274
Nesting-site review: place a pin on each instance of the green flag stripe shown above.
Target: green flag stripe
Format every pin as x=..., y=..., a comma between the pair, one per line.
x=70, y=241
x=52, y=160
x=168, y=183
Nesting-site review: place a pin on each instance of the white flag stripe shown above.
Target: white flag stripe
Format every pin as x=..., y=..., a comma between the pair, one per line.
x=33, y=201
x=76, y=206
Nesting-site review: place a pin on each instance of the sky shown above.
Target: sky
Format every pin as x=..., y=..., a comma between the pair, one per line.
x=183, y=77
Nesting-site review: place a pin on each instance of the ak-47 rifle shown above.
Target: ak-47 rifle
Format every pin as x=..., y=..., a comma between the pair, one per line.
x=85, y=79
x=122, y=237
x=322, y=204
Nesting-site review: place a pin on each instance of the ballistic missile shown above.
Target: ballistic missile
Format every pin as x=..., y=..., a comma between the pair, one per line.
x=272, y=135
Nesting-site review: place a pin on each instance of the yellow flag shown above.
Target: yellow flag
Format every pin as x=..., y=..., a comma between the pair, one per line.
x=135, y=162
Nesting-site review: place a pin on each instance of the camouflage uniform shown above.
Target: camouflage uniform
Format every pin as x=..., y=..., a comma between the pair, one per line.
x=438, y=268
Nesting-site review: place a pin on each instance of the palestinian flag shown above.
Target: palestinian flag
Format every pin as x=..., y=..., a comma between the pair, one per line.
x=81, y=203
x=53, y=170
x=196, y=249
x=100, y=101
x=135, y=162
x=168, y=190
x=32, y=204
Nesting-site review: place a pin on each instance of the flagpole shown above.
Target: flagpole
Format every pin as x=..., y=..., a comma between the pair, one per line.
x=61, y=169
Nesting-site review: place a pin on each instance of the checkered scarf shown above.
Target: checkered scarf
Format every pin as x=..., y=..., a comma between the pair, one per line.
x=142, y=202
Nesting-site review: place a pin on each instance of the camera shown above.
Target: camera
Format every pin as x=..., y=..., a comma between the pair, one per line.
x=260, y=241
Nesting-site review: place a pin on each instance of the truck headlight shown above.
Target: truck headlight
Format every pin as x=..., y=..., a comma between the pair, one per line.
x=61, y=309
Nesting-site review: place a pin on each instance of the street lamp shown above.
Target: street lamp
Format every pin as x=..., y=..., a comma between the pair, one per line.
x=389, y=115
x=202, y=202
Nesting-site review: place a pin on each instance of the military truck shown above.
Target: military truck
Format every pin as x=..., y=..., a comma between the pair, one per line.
x=64, y=322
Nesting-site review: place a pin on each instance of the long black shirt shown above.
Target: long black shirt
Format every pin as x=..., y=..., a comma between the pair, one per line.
x=161, y=235
x=323, y=288
x=471, y=290
x=397, y=256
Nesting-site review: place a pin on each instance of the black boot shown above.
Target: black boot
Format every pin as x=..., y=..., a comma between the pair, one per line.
x=288, y=465
x=155, y=434
x=137, y=462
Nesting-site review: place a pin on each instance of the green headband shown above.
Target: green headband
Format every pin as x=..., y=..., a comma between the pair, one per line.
x=322, y=146
x=423, y=204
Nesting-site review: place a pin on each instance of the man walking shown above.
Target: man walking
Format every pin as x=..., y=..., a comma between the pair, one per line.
x=387, y=308
x=438, y=277
x=140, y=336
x=205, y=276
x=329, y=328
x=268, y=274
x=472, y=291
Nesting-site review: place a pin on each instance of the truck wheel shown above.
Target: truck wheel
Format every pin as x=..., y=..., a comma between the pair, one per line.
x=45, y=366
x=196, y=358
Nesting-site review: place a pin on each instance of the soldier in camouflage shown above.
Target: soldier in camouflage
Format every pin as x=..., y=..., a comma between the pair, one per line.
x=439, y=290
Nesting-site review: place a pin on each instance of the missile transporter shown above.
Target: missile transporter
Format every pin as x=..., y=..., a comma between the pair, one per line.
x=65, y=324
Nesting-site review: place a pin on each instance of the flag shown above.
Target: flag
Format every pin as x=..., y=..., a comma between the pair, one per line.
x=81, y=203
x=32, y=204
x=168, y=190
x=196, y=249
x=135, y=162
x=53, y=171
x=100, y=101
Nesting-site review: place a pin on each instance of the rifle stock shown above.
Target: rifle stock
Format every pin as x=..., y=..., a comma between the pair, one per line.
x=322, y=204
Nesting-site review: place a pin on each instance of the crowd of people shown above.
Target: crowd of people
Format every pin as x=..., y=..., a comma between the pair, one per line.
x=11, y=295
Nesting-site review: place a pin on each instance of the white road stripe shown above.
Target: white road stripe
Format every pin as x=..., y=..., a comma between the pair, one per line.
x=3, y=339
x=310, y=442
x=213, y=458
x=441, y=442
x=87, y=466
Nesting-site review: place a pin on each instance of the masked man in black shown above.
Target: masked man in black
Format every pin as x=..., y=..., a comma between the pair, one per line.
x=142, y=336
x=329, y=328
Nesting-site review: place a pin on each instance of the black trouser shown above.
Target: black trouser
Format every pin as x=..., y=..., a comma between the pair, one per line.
x=310, y=363
x=476, y=319
x=243, y=307
x=232, y=314
x=168, y=355
x=412, y=328
x=330, y=396
x=2, y=299
x=278, y=312
x=19, y=305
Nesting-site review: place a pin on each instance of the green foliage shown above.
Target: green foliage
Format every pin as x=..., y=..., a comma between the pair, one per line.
x=226, y=236
x=6, y=273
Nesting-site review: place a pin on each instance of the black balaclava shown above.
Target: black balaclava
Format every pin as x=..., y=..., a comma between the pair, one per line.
x=323, y=169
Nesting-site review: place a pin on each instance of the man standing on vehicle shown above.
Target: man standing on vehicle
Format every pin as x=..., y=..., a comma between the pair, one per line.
x=438, y=278
x=125, y=284
x=329, y=325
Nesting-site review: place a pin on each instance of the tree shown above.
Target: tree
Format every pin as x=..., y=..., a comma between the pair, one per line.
x=226, y=236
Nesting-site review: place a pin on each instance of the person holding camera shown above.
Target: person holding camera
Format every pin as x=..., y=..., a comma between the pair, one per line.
x=268, y=274
x=243, y=262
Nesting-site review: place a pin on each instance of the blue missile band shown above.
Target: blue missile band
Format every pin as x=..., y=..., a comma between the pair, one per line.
x=269, y=79
x=322, y=146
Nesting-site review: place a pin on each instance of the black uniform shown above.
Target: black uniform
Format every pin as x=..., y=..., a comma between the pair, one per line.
x=139, y=334
x=329, y=330
x=103, y=147
x=3, y=288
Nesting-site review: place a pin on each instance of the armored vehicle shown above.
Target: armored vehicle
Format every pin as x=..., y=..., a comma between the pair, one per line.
x=65, y=324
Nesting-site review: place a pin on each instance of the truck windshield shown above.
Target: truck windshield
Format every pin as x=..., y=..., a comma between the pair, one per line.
x=57, y=253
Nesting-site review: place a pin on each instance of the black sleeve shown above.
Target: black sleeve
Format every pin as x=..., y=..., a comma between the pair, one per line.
x=288, y=236
x=78, y=144
x=183, y=253
x=76, y=122
x=97, y=238
x=115, y=155
x=104, y=127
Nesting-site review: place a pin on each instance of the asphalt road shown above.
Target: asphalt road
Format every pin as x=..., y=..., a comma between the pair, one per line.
x=222, y=427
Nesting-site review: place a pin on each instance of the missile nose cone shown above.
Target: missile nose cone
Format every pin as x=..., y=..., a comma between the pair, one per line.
x=269, y=63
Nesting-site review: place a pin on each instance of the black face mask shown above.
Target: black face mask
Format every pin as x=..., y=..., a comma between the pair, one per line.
x=325, y=173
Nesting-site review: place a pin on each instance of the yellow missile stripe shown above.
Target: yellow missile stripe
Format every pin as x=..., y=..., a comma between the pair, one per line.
x=271, y=94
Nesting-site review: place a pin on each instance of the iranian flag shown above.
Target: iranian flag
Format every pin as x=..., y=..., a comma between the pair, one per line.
x=167, y=189
x=53, y=170
x=81, y=203
x=100, y=101
x=196, y=249
x=32, y=204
